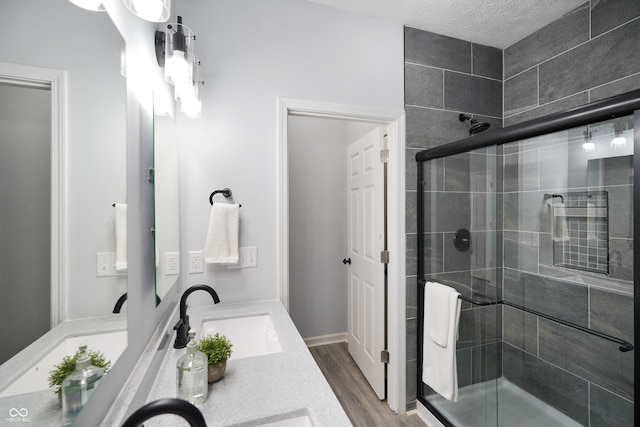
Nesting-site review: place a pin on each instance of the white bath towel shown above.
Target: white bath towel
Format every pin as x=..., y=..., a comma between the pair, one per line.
x=439, y=370
x=121, y=236
x=592, y=237
x=221, y=244
x=560, y=230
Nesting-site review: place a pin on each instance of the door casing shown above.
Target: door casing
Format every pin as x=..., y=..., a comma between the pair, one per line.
x=56, y=80
x=396, y=301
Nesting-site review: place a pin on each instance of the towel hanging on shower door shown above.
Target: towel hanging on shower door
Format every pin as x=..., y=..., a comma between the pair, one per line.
x=441, y=319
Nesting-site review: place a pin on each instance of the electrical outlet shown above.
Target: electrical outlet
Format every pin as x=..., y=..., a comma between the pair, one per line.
x=171, y=263
x=106, y=265
x=196, y=263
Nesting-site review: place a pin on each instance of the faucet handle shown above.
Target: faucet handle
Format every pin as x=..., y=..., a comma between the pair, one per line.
x=178, y=325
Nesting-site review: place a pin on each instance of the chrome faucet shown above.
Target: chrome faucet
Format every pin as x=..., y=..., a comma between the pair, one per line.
x=167, y=405
x=182, y=327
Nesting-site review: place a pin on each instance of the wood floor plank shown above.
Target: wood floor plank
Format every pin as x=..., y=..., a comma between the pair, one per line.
x=356, y=396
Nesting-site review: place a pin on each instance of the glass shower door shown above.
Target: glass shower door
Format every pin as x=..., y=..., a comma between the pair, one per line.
x=461, y=250
x=568, y=255
x=543, y=229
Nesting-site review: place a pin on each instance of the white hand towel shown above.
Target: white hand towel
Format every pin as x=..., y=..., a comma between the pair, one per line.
x=121, y=236
x=592, y=237
x=437, y=305
x=221, y=244
x=560, y=230
x=439, y=370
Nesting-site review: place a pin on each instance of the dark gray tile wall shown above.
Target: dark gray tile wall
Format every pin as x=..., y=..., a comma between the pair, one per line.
x=590, y=54
x=443, y=78
x=608, y=14
x=609, y=410
x=543, y=357
x=552, y=40
x=566, y=392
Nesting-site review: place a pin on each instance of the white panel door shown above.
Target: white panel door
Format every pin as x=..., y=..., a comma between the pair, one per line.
x=366, y=272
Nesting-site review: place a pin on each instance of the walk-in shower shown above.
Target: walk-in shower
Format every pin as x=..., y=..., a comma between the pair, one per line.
x=534, y=225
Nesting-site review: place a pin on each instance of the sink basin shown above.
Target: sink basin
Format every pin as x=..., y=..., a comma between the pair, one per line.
x=251, y=336
x=111, y=344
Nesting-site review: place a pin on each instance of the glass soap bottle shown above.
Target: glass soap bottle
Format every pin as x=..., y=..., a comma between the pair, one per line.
x=78, y=387
x=192, y=373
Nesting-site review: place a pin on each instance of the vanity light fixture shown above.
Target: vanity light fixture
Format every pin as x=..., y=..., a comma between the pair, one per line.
x=175, y=52
x=93, y=5
x=588, y=144
x=150, y=10
x=619, y=140
x=178, y=53
x=190, y=101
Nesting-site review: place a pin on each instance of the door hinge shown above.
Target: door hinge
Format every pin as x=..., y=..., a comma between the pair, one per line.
x=384, y=257
x=384, y=155
x=384, y=356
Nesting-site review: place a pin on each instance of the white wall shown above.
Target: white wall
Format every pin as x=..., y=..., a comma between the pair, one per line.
x=59, y=35
x=318, y=222
x=253, y=51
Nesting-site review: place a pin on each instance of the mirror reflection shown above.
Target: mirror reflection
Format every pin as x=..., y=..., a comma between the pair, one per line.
x=66, y=236
x=167, y=235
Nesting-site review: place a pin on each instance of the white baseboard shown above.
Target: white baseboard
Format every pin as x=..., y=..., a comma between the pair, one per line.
x=326, y=339
x=429, y=419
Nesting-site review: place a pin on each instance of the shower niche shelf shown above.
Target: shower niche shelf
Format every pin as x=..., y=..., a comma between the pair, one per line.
x=580, y=231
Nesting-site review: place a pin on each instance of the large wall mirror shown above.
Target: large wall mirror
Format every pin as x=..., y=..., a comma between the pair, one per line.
x=167, y=227
x=86, y=46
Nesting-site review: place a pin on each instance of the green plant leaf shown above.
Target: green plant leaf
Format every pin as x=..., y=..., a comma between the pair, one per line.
x=68, y=364
x=217, y=348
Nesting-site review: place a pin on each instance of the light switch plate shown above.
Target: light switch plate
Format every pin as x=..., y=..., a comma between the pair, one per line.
x=248, y=257
x=106, y=265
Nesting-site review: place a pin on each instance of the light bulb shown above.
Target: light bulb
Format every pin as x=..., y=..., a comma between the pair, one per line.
x=150, y=10
x=177, y=68
x=618, y=141
x=191, y=107
x=588, y=146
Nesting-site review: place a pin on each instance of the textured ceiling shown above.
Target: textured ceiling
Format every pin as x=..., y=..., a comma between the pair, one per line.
x=498, y=23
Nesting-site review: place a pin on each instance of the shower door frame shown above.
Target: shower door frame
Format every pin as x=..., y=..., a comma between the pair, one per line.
x=616, y=106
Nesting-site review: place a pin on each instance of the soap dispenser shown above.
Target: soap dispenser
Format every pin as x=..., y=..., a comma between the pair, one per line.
x=192, y=373
x=78, y=387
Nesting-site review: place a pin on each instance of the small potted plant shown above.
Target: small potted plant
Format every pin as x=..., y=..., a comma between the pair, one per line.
x=68, y=364
x=218, y=350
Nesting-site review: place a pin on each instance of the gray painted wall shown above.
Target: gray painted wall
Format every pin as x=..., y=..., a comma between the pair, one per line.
x=25, y=223
x=318, y=222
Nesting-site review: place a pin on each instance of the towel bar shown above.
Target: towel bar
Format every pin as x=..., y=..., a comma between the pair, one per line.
x=226, y=192
x=624, y=345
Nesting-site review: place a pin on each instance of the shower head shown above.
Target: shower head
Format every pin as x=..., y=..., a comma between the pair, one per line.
x=474, y=125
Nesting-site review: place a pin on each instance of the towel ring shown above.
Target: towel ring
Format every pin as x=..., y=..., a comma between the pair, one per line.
x=226, y=192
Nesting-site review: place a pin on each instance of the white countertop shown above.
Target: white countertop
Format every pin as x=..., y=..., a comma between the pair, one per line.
x=43, y=407
x=256, y=390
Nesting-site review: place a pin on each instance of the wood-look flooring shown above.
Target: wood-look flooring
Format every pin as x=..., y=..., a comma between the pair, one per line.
x=354, y=392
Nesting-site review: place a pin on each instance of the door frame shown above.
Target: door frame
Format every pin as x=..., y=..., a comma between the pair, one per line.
x=56, y=80
x=396, y=297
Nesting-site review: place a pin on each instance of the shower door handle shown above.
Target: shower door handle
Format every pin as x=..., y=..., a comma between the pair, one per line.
x=346, y=261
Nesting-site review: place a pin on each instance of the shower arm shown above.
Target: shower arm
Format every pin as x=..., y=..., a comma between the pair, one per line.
x=625, y=346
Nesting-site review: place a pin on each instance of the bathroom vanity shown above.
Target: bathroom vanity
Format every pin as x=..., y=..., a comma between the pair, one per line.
x=271, y=378
x=25, y=394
